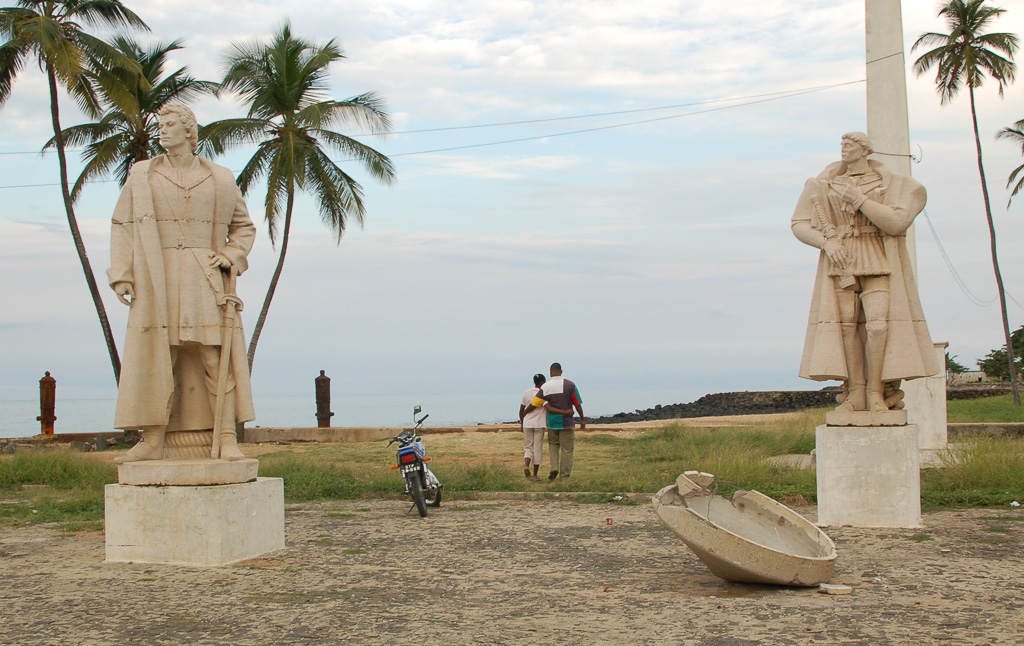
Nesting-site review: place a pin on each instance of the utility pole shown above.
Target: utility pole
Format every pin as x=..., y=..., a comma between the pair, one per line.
x=889, y=131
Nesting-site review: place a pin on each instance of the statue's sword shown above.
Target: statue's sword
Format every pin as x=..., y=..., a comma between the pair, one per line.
x=227, y=331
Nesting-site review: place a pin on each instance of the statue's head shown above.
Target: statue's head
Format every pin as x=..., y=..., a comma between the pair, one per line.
x=856, y=145
x=187, y=118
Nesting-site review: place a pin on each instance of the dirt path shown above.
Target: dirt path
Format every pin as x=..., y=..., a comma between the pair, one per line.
x=509, y=572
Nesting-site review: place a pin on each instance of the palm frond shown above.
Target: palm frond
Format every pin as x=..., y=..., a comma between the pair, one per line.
x=109, y=13
x=215, y=138
x=12, y=60
x=377, y=164
x=339, y=196
x=102, y=156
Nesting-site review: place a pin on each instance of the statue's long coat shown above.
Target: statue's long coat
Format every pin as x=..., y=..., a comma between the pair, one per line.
x=148, y=388
x=909, y=352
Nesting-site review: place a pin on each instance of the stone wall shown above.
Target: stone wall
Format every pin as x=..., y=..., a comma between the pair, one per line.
x=771, y=401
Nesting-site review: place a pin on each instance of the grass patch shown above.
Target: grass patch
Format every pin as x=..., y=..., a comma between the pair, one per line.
x=985, y=409
x=997, y=529
x=54, y=486
x=920, y=538
x=980, y=472
x=54, y=468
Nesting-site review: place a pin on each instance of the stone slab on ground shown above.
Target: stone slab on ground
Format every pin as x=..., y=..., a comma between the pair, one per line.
x=194, y=525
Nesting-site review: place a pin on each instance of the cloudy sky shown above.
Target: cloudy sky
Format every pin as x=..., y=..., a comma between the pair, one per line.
x=656, y=255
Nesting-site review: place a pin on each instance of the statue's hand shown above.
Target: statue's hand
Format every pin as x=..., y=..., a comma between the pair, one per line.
x=218, y=260
x=850, y=193
x=124, y=292
x=835, y=252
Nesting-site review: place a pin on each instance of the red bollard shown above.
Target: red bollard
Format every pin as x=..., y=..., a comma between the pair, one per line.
x=323, y=400
x=47, y=403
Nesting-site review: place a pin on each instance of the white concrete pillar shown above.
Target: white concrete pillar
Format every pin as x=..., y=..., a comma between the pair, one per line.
x=889, y=131
x=926, y=405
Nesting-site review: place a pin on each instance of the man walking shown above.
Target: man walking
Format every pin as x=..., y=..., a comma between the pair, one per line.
x=562, y=394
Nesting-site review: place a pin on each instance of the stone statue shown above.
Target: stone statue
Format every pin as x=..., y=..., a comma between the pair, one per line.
x=866, y=325
x=180, y=234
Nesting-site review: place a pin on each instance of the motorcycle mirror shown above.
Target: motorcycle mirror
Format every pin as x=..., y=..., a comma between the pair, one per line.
x=416, y=410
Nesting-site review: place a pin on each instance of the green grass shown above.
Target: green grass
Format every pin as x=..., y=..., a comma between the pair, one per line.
x=985, y=409
x=981, y=472
x=54, y=486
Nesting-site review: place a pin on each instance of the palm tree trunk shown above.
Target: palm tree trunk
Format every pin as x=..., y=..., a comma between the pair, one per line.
x=273, y=281
x=76, y=235
x=995, y=260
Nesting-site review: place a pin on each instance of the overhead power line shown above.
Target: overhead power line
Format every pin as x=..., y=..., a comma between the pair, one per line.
x=780, y=94
x=756, y=99
x=971, y=296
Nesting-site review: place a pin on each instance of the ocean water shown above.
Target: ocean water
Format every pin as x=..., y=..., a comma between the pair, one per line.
x=18, y=417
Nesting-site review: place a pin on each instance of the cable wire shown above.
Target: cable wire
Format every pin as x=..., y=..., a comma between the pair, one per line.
x=767, y=98
x=956, y=276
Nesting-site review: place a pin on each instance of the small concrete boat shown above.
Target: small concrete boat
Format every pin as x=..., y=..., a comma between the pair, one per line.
x=749, y=538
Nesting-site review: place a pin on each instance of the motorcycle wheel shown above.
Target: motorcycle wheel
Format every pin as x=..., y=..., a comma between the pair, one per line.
x=416, y=491
x=433, y=496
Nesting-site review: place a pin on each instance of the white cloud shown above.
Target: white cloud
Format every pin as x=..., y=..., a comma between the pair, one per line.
x=665, y=246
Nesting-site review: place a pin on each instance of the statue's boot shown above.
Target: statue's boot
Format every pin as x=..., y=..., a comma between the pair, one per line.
x=228, y=439
x=150, y=448
x=853, y=349
x=856, y=398
x=876, y=332
x=229, y=446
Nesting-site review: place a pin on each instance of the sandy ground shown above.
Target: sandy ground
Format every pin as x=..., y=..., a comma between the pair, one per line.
x=509, y=571
x=514, y=572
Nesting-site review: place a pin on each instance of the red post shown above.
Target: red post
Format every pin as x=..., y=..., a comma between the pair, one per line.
x=323, y=400
x=47, y=403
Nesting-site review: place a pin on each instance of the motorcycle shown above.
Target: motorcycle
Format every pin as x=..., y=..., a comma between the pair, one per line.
x=420, y=482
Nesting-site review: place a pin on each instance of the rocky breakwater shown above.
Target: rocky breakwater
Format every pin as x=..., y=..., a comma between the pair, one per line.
x=738, y=403
x=771, y=401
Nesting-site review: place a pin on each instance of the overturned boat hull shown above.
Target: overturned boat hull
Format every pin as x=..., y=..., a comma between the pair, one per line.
x=749, y=538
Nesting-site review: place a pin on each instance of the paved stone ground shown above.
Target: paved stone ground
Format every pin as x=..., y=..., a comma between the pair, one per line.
x=514, y=572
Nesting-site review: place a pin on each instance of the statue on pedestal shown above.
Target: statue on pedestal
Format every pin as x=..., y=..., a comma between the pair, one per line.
x=181, y=233
x=866, y=326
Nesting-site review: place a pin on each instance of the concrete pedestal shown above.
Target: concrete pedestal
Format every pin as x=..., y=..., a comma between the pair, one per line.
x=194, y=525
x=925, y=400
x=868, y=476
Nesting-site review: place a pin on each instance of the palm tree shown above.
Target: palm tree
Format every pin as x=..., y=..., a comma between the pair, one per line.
x=128, y=131
x=284, y=85
x=49, y=32
x=1016, y=135
x=964, y=57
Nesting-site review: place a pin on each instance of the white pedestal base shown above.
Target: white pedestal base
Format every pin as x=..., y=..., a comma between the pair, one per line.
x=925, y=400
x=868, y=476
x=194, y=525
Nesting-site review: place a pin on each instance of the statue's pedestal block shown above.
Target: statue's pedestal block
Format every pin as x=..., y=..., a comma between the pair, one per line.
x=194, y=525
x=188, y=471
x=866, y=418
x=868, y=476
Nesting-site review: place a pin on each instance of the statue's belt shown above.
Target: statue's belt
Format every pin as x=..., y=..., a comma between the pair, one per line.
x=185, y=243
